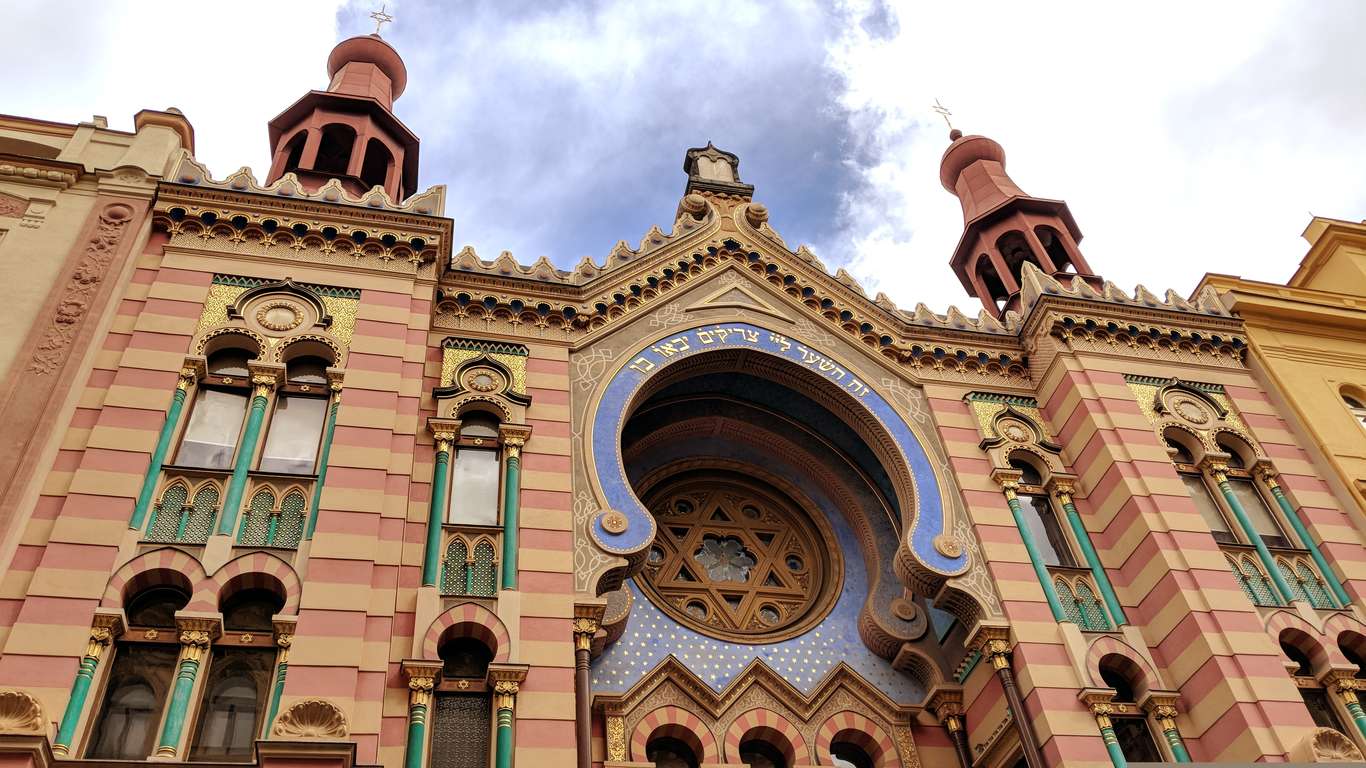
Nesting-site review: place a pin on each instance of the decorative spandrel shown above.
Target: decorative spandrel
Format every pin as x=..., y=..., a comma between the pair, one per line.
x=736, y=559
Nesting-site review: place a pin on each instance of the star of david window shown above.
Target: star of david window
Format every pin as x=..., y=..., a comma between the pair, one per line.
x=737, y=559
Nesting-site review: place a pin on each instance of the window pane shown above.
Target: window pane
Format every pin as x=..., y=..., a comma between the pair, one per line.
x=1048, y=538
x=215, y=425
x=478, y=425
x=1316, y=701
x=1209, y=510
x=233, y=704
x=1258, y=512
x=127, y=718
x=1135, y=740
x=292, y=445
x=460, y=733
x=474, y=487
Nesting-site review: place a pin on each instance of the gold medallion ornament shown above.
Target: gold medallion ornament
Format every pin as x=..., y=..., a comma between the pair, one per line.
x=948, y=545
x=614, y=522
x=279, y=315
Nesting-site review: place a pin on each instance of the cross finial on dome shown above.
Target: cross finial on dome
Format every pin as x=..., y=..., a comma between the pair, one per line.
x=946, y=114
x=381, y=18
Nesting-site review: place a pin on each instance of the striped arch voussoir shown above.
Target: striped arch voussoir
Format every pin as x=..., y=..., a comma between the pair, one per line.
x=160, y=566
x=253, y=570
x=858, y=730
x=771, y=727
x=674, y=723
x=1109, y=646
x=467, y=620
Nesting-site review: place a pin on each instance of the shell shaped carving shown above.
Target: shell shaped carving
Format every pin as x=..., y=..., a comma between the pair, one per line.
x=20, y=712
x=312, y=719
x=1325, y=745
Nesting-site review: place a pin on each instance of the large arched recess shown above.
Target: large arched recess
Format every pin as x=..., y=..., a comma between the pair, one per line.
x=916, y=484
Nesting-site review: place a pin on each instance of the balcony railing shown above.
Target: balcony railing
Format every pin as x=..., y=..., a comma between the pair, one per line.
x=470, y=566
x=1080, y=598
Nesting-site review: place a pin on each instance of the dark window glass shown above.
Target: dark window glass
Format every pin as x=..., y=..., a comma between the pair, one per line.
x=1124, y=692
x=1306, y=666
x=460, y=731
x=852, y=755
x=1135, y=740
x=126, y=722
x=465, y=657
x=478, y=425
x=1321, y=709
x=250, y=610
x=1028, y=474
x=1355, y=658
x=234, y=702
x=307, y=370
x=670, y=753
x=1043, y=524
x=761, y=754
x=295, y=431
x=215, y=425
x=229, y=362
x=1181, y=455
x=155, y=607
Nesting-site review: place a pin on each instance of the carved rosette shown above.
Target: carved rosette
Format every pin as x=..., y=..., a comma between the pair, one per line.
x=311, y=719
x=20, y=712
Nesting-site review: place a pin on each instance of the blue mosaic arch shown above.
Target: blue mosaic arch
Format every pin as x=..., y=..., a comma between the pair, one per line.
x=620, y=392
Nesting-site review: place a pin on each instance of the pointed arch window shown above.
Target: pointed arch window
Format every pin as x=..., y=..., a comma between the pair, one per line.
x=183, y=519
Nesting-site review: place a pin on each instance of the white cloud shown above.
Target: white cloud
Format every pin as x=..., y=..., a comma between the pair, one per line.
x=1158, y=126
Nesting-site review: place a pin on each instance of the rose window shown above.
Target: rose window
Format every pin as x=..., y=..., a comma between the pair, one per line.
x=738, y=559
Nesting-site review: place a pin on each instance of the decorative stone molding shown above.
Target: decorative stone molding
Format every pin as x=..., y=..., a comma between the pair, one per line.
x=20, y=713
x=311, y=719
x=1325, y=745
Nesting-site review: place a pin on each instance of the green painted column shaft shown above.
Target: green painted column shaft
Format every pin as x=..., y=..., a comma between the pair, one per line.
x=276, y=694
x=1040, y=569
x=1088, y=551
x=80, y=688
x=1178, y=748
x=1107, y=733
x=417, y=735
x=178, y=707
x=1354, y=707
x=431, y=562
x=232, y=500
x=511, y=495
x=1310, y=544
x=322, y=467
x=1263, y=553
x=149, y=483
x=503, y=756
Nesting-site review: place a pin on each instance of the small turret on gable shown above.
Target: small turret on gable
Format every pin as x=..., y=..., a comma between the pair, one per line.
x=714, y=170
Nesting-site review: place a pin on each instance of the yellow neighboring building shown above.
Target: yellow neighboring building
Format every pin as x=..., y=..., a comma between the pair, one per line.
x=1308, y=341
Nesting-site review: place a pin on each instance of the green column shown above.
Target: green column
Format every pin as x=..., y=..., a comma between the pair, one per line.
x=1107, y=733
x=511, y=496
x=80, y=688
x=278, y=691
x=417, y=734
x=149, y=483
x=503, y=697
x=431, y=562
x=232, y=500
x=1107, y=590
x=1166, y=720
x=1308, y=541
x=1347, y=690
x=1263, y=553
x=1040, y=569
x=322, y=466
x=192, y=646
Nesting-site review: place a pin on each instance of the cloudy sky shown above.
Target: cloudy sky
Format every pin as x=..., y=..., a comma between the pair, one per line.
x=1187, y=137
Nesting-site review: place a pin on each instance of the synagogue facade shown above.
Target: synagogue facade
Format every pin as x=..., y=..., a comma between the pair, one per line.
x=288, y=478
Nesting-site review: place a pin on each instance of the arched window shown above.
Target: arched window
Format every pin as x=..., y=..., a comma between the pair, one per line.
x=1039, y=515
x=1351, y=646
x=1356, y=407
x=1200, y=493
x=1053, y=246
x=667, y=752
x=297, y=425
x=1251, y=500
x=125, y=724
x=475, y=479
x=294, y=151
x=237, y=682
x=1131, y=730
x=378, y=160
x=219, y=410
x=846, y=754
x=991, y=282
x=334, y=149
x=1316, y=699
x=461, y=722
x=757, y=753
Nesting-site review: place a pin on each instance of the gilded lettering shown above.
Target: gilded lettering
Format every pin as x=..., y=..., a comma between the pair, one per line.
x=641, y=365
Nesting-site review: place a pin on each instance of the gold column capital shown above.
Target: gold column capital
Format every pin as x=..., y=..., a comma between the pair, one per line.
x=1008, y=479
x=505, y=694
x=584, y=629
x=443, y=432
x=1062, y=486
x=1267, y=474
x=422, y=679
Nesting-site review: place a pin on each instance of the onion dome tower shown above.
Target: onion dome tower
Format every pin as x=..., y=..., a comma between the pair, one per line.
x=1003, y=227
x=349, y=132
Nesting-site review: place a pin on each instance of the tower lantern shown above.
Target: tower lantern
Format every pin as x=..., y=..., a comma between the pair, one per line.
x=349, y=131
x=1003, y=227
